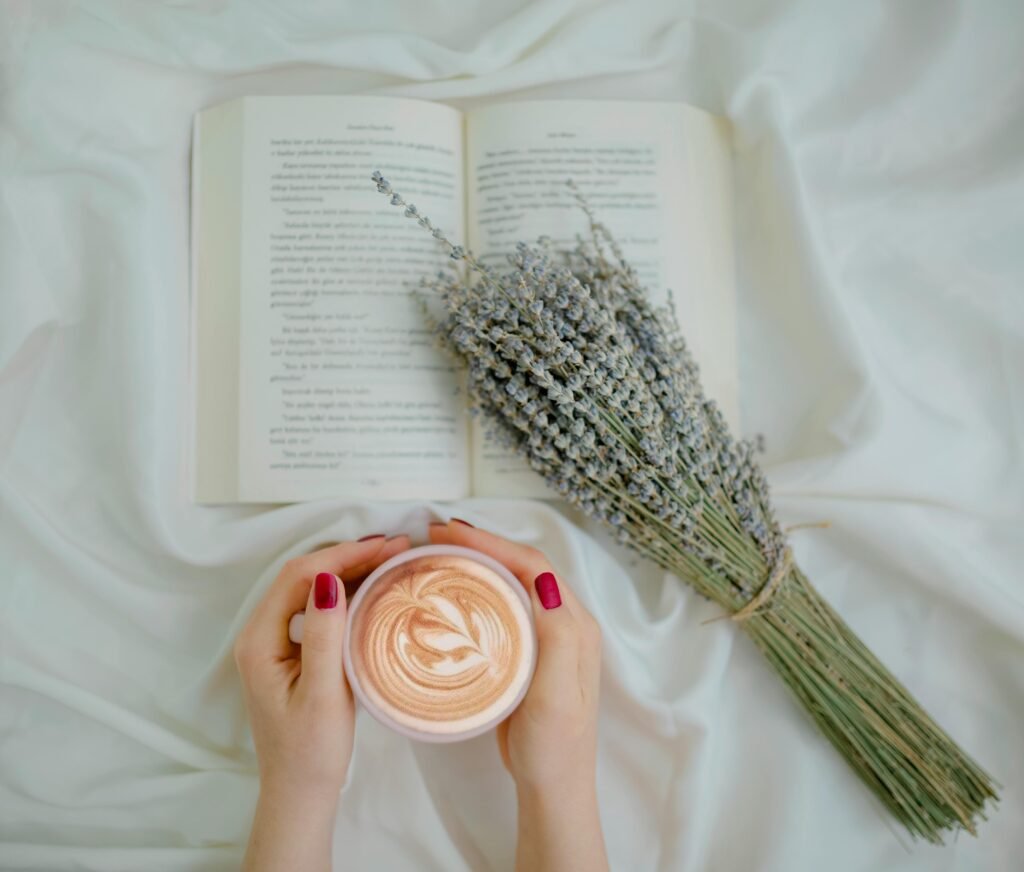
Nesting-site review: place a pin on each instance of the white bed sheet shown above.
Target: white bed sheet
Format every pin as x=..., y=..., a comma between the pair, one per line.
x=880, y=170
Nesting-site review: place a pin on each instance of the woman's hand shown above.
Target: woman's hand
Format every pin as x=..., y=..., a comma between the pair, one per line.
x=549, y=743
x=299, y=703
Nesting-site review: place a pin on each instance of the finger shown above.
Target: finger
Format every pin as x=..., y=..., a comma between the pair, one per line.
x=523, y=561
x=266, y=634
x=333, y=559
x=354, y=569
x=559, y=644
x=437, y=532
x=353, y=577
x=353, y=580
x=323, y=632
x=389, y=549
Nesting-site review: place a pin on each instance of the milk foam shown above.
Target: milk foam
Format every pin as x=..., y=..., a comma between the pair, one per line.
x=441, y=644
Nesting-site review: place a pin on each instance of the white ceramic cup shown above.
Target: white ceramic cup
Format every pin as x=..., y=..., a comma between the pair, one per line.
x=439, y=731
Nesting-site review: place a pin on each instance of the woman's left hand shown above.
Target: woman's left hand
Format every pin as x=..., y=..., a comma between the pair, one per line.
x=299, y=703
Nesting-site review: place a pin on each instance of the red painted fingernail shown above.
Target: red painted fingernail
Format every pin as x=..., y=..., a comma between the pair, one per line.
x=325, y=591
x=371, y=536
x=547, y=590
x=460, y=521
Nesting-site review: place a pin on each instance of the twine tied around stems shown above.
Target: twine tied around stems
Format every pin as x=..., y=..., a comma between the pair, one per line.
x=778, y=574
x=768, y=590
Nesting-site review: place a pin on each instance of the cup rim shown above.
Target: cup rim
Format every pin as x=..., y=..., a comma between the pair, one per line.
x=404, y=557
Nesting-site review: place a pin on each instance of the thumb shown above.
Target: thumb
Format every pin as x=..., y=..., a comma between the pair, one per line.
x=557, y=640
x=323, y=631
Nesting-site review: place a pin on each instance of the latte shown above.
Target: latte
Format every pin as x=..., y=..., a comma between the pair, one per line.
x=441, y=644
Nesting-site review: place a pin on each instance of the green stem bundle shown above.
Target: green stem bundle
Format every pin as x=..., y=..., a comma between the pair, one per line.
x=917, y=771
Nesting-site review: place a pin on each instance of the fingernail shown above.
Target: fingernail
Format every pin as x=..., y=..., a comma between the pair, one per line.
x=325, y=591
x=465, y=523
x=438, y=524
x=547, y=590
x=371, y=536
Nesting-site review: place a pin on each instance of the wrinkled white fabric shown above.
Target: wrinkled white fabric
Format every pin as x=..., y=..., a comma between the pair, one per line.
x=880, y=177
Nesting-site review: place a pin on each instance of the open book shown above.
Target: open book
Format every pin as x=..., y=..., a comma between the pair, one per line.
x=313, y=371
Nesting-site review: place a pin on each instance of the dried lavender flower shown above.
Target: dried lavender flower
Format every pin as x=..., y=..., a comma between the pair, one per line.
x=574, y=368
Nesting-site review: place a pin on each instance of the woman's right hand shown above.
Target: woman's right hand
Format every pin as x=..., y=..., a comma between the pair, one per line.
x=549, y=743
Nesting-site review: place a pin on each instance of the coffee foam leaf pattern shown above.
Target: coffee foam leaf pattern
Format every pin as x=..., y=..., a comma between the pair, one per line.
x=439, y=639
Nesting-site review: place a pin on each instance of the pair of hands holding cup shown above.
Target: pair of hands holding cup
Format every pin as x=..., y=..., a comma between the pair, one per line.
x=303, y=713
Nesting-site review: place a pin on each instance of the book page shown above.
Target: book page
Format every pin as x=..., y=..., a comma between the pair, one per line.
x=342, y=391
x=657, y=174
x=213, y=336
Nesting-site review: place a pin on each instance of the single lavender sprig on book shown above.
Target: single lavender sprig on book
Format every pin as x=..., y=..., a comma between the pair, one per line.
x=574, y=369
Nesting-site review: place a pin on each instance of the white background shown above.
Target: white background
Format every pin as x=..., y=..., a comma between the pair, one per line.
x=880, y=174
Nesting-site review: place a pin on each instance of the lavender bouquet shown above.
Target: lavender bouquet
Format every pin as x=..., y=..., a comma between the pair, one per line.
x=574, y=369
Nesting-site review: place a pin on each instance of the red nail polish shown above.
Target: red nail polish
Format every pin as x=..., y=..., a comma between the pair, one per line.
x=325, y=591
x=371, y=536
x=464, y=523
x=547, y=590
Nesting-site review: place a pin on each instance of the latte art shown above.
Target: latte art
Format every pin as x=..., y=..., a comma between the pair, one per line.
x=441, y=643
